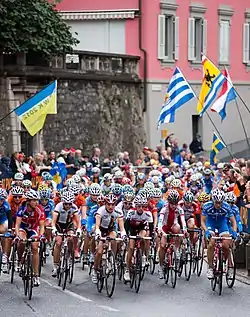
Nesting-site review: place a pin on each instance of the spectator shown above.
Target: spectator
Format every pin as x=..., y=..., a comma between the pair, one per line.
x=51, y=159
x=19, y=163
x=78, y=159
x=95, y=159
x=39, y=165
x=165, y=158
x=5, y=170
x=185, y=148
x=70, y=162
x=175, y=149
x=180, y=158
x=147, y=153
x=159, y=149
x=169, y=141
x=126, y=159
x=140, y=160
x=196, y=145
x=154, y=159
x=120, y=157
x=27, y=167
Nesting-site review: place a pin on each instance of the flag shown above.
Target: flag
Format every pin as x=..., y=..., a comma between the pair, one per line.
x=179, y=92
x=217, y=146
x=227, y=94
x=59, y=173
x=213, y=79
x=33, y=112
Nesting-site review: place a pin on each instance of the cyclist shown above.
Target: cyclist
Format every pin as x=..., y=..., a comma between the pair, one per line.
x=169, y=218
x=27, y=185
x=137, y=223
x=117, y=191
x=230, y=198
x=106, y=218
x=126, y=204
x=48, y=206
x=5, y=227
x=141, y=179
x=215, y=215
x=64, y=217
x=30, y=224
x=106, y=184
x=18, y=180
x=208, y=180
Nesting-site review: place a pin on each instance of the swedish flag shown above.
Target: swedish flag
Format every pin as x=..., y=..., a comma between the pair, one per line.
x=217, y=146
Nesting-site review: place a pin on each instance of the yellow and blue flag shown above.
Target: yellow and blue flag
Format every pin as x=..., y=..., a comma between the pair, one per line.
x=213, y=79
x=217, y=146
x=33, y=112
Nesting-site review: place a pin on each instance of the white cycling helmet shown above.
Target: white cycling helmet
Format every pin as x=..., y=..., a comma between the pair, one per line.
x=194, y=178
x=3, y=193
x=176, y=183
x=217, y=195
x=32, y=194
x=149, y=185
x=70, y=182
x=27, y=183
x=17, y=191
x=155, y=180
x=96, y=170
x=76, y=178
x=18, y=177
x=75, y=188
x=81, y=172
x=95, y=189
x=118, y=174
x=220, y=165
x=68, y=197
x=140, y=201
x=107, y=177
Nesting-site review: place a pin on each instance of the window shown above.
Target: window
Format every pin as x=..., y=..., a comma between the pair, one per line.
x=225, y=14
x=168, y=33
x=246, y=39
x=197, y=34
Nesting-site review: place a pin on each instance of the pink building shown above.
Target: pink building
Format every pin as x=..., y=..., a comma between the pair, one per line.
x=166, y=33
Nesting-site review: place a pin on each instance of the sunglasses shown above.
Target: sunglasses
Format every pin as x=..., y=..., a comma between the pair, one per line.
x=140, y=206
x=15, y=197
x=28, y=187
x=111, y=205
x=67, y=204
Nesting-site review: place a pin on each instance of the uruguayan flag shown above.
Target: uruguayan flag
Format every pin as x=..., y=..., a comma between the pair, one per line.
x=179, y=92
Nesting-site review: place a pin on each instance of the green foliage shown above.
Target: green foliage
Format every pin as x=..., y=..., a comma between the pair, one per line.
x=33, y=26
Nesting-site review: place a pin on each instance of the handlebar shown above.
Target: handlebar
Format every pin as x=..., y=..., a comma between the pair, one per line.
x=110, y=239
x=221, y=238
x=30, y=240
x=173, y=234
x=138, y=238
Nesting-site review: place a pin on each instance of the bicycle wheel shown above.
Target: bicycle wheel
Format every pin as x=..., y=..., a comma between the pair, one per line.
x=71, y=263
x=100, y=278
x=41, y=259
x=200, y=256
x=120, y=260
x=29, y=277
x=231, y=281
x=220, y=276
x=152, y=258
x=173, y=268
x=12, y=262
x=166, y=273
x=188, y=262
x=138, y=270
x=65, y=271
x=110, y=273
x=1, y=255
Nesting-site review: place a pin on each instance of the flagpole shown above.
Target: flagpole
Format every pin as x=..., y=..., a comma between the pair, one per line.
x=229, y=152
x=242, y=123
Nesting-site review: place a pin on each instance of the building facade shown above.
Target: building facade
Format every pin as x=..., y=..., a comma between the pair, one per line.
x=166, y=33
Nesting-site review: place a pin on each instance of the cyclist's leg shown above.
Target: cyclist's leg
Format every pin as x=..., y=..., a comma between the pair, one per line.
x=35, y=256
x=71, y=240
x=3, y=229
x=57, y=251
x=224, y=232
x=130, y=250
x=113, y=234
x=193, y=235
x=48, y=233
x=210, y=248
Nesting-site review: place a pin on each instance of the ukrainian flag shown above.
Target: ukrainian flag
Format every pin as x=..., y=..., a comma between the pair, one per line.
x=213, y=79
x=217, y=146
x=33, y=112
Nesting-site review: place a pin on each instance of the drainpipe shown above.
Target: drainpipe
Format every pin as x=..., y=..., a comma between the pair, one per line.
x=145, y=70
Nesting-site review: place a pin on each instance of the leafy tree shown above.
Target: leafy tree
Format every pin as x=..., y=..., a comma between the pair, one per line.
x=33, y=26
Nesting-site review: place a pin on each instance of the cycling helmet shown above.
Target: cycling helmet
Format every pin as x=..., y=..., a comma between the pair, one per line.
x=81, y=172
x=45, y=193
x=116, y=189
x=217, y=195
x=126, y=181
x=68, y=197
x=18, y=177
x=165, y=171
x=129, y=197
x=176, y=183
x=115, y=169
x=199, y=164
x=128, y=189
x=188, y=197
x=207, y=171
x=230, y=197
x=42, y=186
x=70, y=182
x=203, y=197
x=140, y=201
x=27, y=183
x=32, y=194
x=141, y=176
x=157, y=193
x=100, y=199
x=17, y=191
x=155, y=173
x=193, y=178
x=199, y=176
x=110, y=199
x=76, y=178
x=107, y=177
x=220, y=165
x=118, y=174
x=96, y=170
x=186, y=164
x=173, y=196
x=95, y=189
x=61, y=191
x=146, y=193
x=169, y=179
x=155, y=180
x=75, y=188
x=89, y=165
x=149, y=185
x=47, y=176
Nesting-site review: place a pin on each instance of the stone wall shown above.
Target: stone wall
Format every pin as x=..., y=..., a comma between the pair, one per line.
x=103, y=113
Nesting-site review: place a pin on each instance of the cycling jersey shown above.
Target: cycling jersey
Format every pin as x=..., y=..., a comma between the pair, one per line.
x=90, y=203
x=50, y=206
x=208, y=184
x=120, y=208
x=159, y=205
x=236, y=213
x=14, y=206
x=80, y=201
x=30, y=221
x=65, y=216
x=136, y=222
x=194, y=187
x=5, y=214
x=189, y=211
x=105, y=189
x=91, y=218
x=169, y=217
x=108, y=219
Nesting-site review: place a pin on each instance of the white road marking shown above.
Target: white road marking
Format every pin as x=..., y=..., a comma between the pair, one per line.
x=80, y=297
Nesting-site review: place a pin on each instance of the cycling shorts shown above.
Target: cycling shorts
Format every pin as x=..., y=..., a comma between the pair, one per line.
x=3, y=220
x=90, y=224
x=31, y=233
x=62, y=227
x=221, y=225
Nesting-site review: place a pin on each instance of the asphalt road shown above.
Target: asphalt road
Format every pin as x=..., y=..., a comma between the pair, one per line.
x=188, y=299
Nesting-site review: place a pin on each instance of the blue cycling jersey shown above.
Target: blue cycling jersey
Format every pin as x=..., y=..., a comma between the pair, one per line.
x=5, y=211
x=236, y=213
x=160, y=205
x=208, y=184
x=49, y=208
x=89, y=204
x=225, y=211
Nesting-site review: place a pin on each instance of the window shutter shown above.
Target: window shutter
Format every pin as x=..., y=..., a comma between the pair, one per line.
x=246, y=43
x=161, y=36
x=191, y=38
x=204, y=46
x=177, y=39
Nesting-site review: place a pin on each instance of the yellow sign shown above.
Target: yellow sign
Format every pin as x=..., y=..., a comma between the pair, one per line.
x=164, y=134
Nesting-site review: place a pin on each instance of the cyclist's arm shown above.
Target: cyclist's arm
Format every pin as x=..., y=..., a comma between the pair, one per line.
x=42, y=228
x=238, y=219
x=233, y=222
x=9, y=216
x=84, y=212
x=76, y=219
x=18, y=224
x=120, y=221
x=98, y=221
x=203, y=222
x=54, y=218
